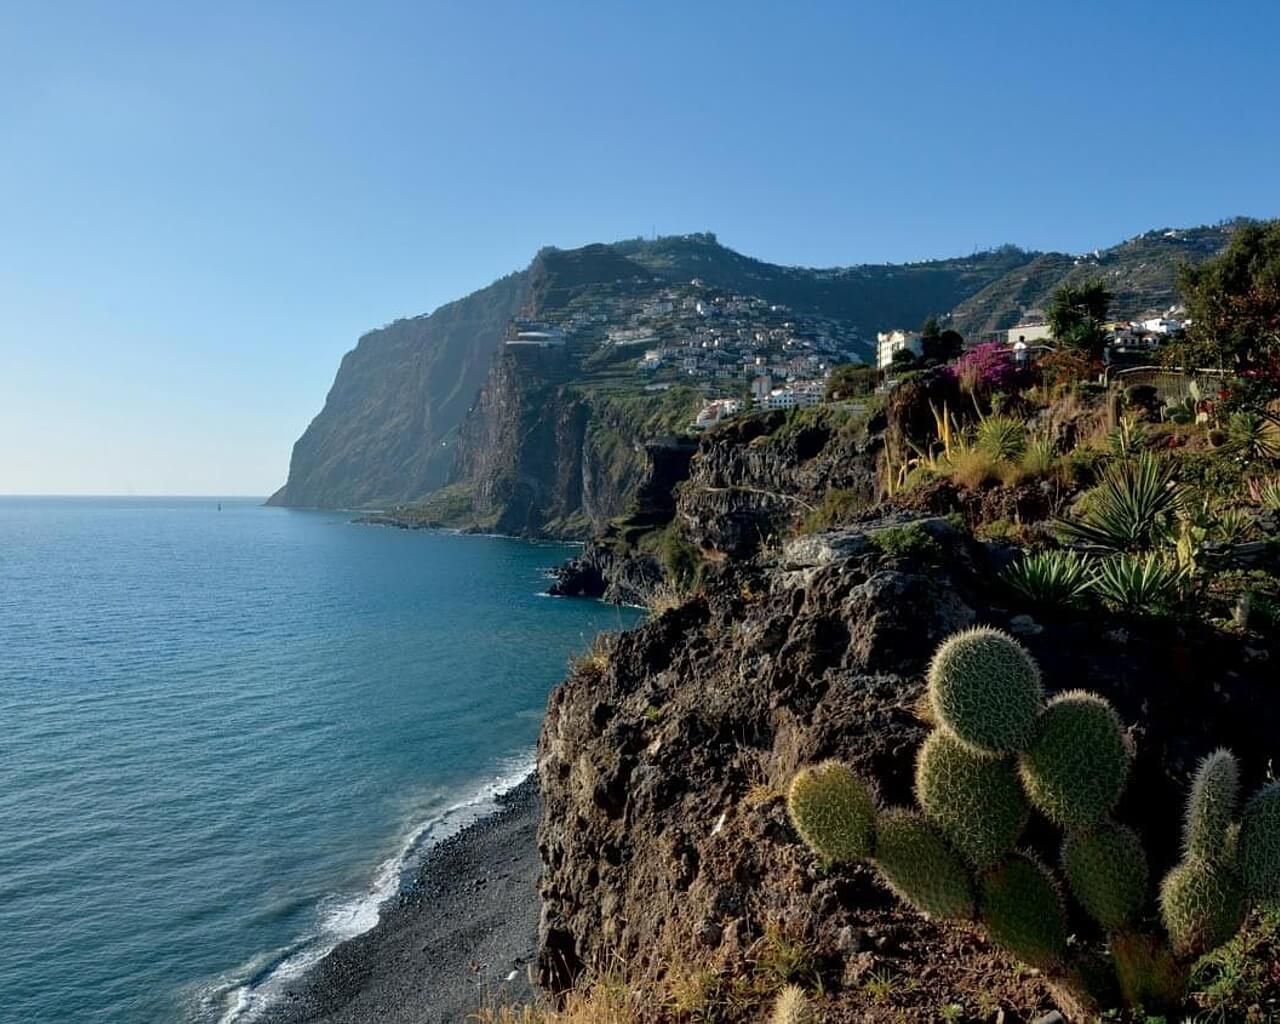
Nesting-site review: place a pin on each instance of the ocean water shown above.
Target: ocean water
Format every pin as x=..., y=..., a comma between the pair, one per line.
x=225, y=737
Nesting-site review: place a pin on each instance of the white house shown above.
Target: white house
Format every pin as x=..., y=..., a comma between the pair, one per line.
x=1029, y=333
x=890, y=342
x=715, y=412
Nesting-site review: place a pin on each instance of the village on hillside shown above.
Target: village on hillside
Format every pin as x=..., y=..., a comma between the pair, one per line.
x=746, y=353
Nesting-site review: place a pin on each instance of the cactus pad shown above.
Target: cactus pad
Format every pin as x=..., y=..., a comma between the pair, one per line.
x=1106, y=869
x=1077, y=764
x=915, y=862
x=833, y=810
x=1022, y=910
x=1211, y=806
x=985, y=688
x=975, y=800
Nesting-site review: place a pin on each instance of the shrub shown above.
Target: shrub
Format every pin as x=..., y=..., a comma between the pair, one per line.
x=986, y=369
x=909, y=541
x=1130, y=509
x=1234, y=526
x=1039, y=459
x=1002, y=437
x=837, y=506
x=833, y=811
x=1050, y=579
x=1149, y=583
x=985, y=688
x=1076, y=766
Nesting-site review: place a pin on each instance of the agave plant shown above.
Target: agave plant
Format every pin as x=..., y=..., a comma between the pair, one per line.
x=1254, y=435
x=1051, y=579
x=1001, y=437
x=1265, y=492
x=1233, y=526
x=1128, y=438
x=1139, y=583
x=1131, y=508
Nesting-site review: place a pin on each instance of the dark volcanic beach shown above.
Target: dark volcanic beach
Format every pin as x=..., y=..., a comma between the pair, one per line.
x=448, y=943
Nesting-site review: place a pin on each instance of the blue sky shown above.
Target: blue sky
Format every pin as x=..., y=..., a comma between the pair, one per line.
x=202, y=206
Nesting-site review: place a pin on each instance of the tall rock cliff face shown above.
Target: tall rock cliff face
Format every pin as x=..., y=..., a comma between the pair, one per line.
x=382, y=436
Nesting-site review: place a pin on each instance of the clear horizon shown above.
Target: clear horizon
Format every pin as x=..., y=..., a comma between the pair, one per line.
x=206, y=208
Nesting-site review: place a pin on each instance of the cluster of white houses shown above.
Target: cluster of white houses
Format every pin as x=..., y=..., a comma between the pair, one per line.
x=1033, y=331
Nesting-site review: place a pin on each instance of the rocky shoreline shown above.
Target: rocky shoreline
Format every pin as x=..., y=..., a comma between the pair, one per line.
x=460, y=935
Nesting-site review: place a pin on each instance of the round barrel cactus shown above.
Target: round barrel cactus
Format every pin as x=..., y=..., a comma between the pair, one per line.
x=1106, y=869
x=833, y=810
x=917, y=864
x=1078, y=762
x=985, y=688
x=974, y=800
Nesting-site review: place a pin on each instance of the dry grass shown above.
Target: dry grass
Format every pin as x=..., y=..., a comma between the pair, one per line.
x=974, y=469
x=606, y=1001
x=665, y=597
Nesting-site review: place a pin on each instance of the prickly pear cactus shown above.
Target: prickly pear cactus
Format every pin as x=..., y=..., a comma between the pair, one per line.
x=1022, y=909
x=834, y=811
x=1211, y=806
x=1259, y=845
x=1202, y=905
x=1106, y=870
x=985, y=688
x=1078, y=762
x=916, y=863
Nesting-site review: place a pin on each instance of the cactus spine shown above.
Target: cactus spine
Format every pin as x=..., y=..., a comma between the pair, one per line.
x=985, y=688
x=792, y=1007
x=915, y=862
x=834, y=811
x=1078, y=762
x=1211, y=806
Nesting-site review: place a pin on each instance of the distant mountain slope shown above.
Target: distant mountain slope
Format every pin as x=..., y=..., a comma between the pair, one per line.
x=381, y=436
x=870, y=297
x=1141, y=273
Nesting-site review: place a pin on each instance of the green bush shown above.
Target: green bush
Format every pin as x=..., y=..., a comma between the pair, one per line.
x=975, y=800
x=985, y=688
x=909, y=541
x=1051, y=579
x=919, y=867
x=1078, y=762
x=833, y=811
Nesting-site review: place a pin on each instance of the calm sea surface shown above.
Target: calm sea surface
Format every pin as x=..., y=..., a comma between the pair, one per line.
x=225, y=736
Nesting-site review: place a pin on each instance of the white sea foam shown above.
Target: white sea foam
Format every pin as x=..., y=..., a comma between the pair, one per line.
x=243, y=995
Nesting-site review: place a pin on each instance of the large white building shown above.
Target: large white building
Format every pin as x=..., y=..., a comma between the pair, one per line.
x=890, y=342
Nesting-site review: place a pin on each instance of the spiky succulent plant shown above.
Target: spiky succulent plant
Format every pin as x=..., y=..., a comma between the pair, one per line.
x=974, y=800
x=985, y=688
x=1211, y=806
x=1022, y=909
x=1078, y=762
x=916, y=863
x=792, y=1007
x=1202, y=904
x=1258, y=847
x=1106, y=869
x=833, y=810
